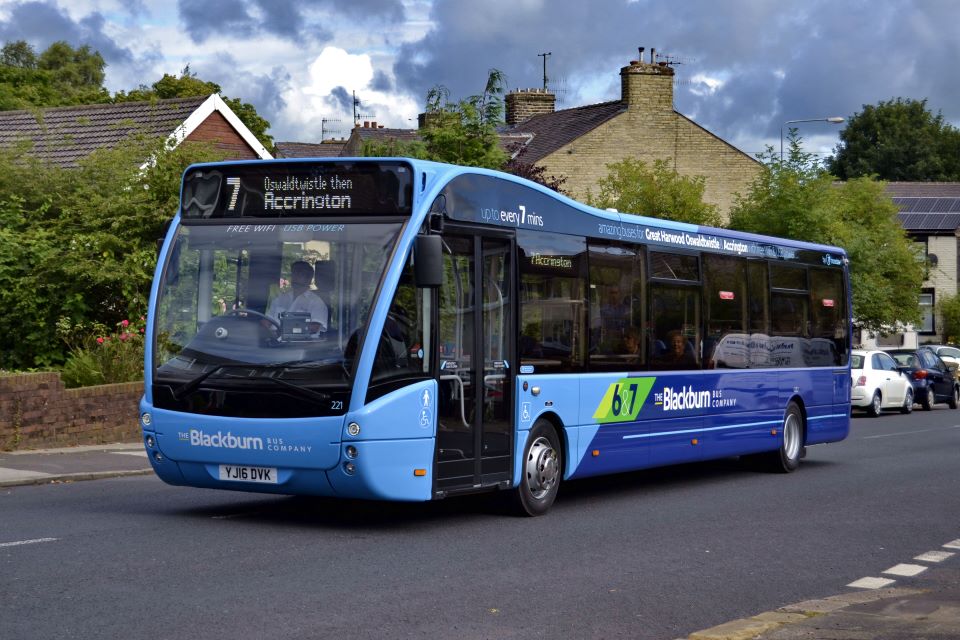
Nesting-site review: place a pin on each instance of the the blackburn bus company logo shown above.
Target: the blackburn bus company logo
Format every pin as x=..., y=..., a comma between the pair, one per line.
x=235, y=183
x=831, y=261
x=685, y=398
x=220, y=440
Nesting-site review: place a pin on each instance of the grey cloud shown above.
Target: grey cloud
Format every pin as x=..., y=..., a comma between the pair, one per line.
x=780, y=61
x=205, y=19
x=381, y=81
x=389, y=11
x=42, y=23
x=343, y=99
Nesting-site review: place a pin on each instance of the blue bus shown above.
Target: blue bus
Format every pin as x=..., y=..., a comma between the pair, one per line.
x=404, y=330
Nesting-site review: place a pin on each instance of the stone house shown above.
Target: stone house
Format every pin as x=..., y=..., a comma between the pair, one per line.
x=64, y=135
x=579, y=143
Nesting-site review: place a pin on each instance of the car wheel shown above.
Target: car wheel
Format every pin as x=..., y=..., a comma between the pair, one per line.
x=907, y=402
x=926, y=399
x=873, y=410
x=953, y=401
x=540, y=471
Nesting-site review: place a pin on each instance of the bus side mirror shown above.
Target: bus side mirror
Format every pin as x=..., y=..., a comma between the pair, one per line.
x=428, y=261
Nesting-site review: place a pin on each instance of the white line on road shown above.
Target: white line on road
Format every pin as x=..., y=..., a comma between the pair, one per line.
x=953, y=545
x=909, y=433
x=934, y=556
x=20, y=542
x=871, y=583
x=906, y=570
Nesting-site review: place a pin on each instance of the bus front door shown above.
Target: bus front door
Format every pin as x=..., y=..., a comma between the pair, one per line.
x=475, y=420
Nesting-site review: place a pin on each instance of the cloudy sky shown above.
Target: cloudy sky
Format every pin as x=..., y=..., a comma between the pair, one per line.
x=746, y=66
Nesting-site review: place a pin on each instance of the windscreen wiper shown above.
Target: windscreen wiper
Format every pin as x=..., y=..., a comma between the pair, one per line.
x=192, y=385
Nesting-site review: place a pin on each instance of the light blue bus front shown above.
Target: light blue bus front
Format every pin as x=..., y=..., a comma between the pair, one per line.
x=256, y=374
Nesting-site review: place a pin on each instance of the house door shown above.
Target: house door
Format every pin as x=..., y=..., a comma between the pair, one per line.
x=475, y=416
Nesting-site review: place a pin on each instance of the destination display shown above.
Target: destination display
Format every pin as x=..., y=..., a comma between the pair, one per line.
x=297, y=190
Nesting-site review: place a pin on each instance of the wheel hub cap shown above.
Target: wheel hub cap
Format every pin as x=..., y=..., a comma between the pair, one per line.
x=541, y=467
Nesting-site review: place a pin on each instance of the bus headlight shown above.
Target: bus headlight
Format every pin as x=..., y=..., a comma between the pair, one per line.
x=349, y=468
x=351, y=451
x=146, y=419
x=353, y=429
x=150, y=441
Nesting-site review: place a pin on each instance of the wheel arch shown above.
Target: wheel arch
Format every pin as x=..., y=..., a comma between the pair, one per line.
x=561, y=432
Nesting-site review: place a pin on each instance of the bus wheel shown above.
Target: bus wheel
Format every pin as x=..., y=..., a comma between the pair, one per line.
x=787, y=457
x=541, y=471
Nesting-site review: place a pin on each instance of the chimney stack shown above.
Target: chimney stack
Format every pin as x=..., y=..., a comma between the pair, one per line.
x=523, y=104
x=647, y=86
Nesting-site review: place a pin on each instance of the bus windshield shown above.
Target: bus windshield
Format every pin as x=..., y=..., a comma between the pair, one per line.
x=271, y=307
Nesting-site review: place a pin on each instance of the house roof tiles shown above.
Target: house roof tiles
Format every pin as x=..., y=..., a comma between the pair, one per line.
x=63, y=135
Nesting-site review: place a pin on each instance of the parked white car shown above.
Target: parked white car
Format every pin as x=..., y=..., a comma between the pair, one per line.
x=878, y=384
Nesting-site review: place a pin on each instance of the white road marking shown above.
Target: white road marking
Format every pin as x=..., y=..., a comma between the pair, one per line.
x=906, y=570
x=909, y=433
x=20, y=542
x=953, y=545
x=871, y=583
x=934, y=556
x=142, y=454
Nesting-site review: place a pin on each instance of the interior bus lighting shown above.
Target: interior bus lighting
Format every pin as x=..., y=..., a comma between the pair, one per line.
x=419, y=472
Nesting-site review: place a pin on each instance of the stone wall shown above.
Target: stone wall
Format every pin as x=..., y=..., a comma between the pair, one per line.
x=36, y=412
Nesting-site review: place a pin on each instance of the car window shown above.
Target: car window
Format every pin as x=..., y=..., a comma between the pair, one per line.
x=875, y=362
x=856, y=361
x=886, y=362
x=929, y=360
x=949, y=352
x=907, y=360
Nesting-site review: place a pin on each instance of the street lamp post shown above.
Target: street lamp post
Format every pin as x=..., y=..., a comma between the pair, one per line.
x=831, y=120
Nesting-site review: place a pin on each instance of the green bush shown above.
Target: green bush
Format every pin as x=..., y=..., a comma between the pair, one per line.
x=105, y=358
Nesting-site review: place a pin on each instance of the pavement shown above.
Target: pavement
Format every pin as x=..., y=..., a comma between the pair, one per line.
x=916, y=600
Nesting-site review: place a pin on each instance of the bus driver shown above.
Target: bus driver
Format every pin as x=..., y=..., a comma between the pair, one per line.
x=301, y=298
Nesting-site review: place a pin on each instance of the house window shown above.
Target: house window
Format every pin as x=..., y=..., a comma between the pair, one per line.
x=926, y=311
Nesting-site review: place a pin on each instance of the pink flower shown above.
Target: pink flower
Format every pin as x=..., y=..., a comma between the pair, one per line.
x=124, y=336
x=124, y=323
x=99, y=340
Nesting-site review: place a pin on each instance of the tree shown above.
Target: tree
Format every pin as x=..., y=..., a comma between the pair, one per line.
x=897, y=140
x=59, y=76
x=633, y=186
x=462, y=132
x=797, y=198
x=80, y=244
x=948, y=308
x=188, y=85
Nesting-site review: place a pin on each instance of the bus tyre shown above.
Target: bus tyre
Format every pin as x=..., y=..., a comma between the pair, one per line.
x=787, y=457
x=907, y=402
x=540, y=471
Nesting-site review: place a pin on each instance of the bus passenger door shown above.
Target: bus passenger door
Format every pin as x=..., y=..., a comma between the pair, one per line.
x=475, y=417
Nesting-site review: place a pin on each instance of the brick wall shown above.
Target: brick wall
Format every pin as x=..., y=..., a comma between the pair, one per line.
x=217, y=130
x=36, y=412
